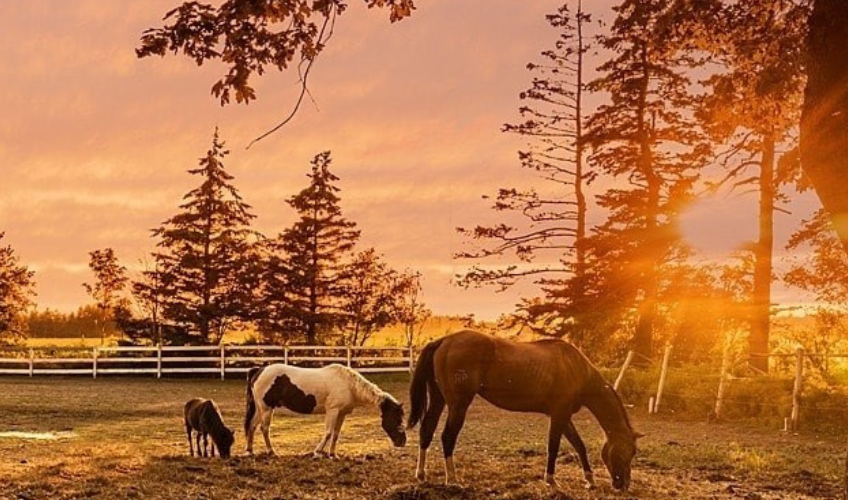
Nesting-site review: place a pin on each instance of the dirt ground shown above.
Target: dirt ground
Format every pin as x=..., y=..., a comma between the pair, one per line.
x=123, y=439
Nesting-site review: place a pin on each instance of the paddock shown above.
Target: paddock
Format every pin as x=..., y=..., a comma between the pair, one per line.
x=123, y=438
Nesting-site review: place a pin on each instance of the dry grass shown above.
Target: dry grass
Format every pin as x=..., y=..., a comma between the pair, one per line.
x=128, y=443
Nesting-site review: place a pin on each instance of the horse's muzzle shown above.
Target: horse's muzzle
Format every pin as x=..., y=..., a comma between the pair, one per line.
x=399, y=441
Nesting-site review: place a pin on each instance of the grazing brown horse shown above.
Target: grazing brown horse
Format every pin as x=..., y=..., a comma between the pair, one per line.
x=202, y=416
x=548, y=376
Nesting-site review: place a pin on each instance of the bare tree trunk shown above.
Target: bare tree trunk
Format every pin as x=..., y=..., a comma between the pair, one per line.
x=758, y=340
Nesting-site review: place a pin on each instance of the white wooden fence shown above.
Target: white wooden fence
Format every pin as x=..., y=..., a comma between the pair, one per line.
x=222, y=360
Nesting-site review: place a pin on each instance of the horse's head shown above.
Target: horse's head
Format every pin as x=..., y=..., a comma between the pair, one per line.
x=618, y=453
x=225, y=441
x=392, y=420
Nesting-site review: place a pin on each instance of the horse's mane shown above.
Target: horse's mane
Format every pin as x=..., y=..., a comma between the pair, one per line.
x=604, y=385
x=363, y=388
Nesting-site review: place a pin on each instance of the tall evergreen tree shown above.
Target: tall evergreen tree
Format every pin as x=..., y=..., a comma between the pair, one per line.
x=645, y=136
x=550, y=218
x=16, y=292
x=309, y=261
x=206, y=259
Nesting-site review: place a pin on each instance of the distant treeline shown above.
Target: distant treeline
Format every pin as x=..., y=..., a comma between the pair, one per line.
x=85, y=322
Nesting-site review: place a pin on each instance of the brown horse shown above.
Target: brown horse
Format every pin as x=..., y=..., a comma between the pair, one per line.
x=549, y=376
x=203, y=417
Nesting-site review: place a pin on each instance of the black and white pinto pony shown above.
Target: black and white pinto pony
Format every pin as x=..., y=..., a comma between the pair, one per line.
x=334, y=390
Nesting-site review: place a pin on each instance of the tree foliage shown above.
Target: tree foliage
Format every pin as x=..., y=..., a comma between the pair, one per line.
x=409, y=309
x=16, y=293
x=110, y=279
x=369, y=299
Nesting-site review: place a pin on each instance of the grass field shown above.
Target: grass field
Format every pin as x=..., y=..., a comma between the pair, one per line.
x=123, y=439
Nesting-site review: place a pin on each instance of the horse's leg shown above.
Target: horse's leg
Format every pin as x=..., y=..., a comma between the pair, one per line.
x=573, y=437
x=428, y=429
x=329, y=425
x=250, y=431
x=198, y=437
x=455, y=421
x=190, y=444
x=205, y=444
x=266, y=430
x=555, y=431
x=337, y=429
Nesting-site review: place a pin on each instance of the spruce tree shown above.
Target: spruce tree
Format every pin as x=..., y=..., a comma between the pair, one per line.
x=306, y=283
x=645, y=136
x=206, y=261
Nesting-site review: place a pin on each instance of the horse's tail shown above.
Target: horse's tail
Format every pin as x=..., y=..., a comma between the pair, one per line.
x=251, y=403
x=423, y=376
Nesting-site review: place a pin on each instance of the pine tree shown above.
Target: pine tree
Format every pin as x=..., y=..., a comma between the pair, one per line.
x=16, y=292
x=207, y=260
x=548, y=237
x=644, y=135
x=305, y=285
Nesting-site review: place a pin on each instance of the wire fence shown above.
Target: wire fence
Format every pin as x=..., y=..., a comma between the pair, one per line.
x=786, y=392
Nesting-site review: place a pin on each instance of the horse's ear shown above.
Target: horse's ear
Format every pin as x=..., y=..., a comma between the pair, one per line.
x=638, y=435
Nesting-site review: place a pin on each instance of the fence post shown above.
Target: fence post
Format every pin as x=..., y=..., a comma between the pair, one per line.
x=411, y=358
x=796, y=390
x=286, y=355
x=94, y=353
x=348, y=356
x=663, y=374
x=159, y=360
x=627, y=362
x=223, y=361
x=722, y=381
x=31, y=361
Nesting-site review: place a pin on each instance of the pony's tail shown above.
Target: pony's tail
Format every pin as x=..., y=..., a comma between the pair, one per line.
x=424, y=375
x=251, y=403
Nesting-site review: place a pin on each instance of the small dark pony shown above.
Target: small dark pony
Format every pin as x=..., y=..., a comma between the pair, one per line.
x=203, y=416
x=550, y=377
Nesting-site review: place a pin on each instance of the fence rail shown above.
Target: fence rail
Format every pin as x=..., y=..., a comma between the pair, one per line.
x=223, y=360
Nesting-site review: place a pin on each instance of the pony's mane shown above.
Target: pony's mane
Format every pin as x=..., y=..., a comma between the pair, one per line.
x=218, y=428
x=363, y=389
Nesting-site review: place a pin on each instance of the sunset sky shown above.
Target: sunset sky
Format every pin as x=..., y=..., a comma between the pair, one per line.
x=95, y=144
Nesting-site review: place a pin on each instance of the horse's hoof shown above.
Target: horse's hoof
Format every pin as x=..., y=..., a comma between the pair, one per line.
x=550, y=481
x=420, y=476
x=589, y=485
